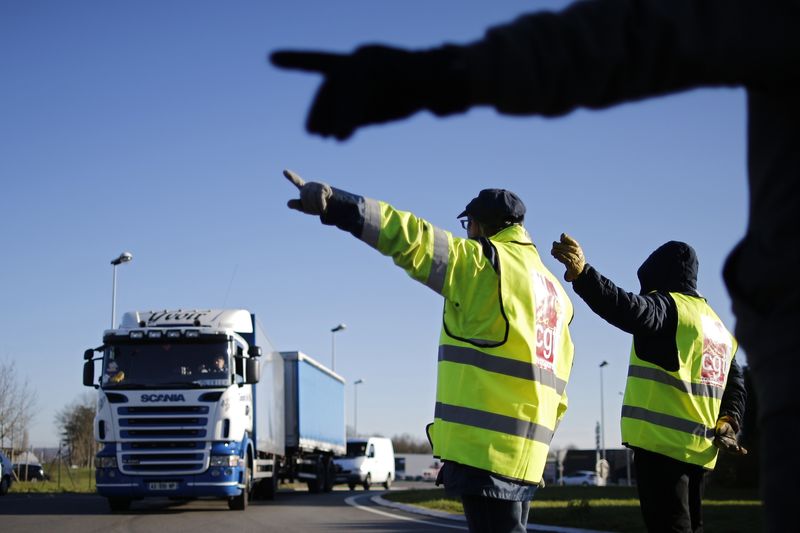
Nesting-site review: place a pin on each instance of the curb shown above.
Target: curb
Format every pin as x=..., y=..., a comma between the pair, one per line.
x=379, y=500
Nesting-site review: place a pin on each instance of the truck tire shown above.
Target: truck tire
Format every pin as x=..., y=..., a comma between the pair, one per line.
x=239, y=503
x=388, y=483
x=317, y=484
x=119, y=504
x=351, y=486
x=5, y=483
x=368, y=481
x=330, y=474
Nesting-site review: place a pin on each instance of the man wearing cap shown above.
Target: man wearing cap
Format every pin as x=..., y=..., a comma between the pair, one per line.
x=505, y=352
x=685, y=393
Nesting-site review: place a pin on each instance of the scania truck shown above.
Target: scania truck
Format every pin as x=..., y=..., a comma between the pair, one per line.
x=197, y=403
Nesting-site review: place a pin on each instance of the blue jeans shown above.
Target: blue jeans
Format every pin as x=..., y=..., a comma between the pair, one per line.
x=490, y=515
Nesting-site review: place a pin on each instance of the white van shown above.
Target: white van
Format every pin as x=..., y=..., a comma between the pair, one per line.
x=368, y=461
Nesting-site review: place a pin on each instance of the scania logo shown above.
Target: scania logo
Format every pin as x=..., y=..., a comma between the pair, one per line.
x=163, y=398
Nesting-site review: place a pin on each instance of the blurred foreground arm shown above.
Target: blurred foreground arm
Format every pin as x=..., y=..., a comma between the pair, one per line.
x=592, y=54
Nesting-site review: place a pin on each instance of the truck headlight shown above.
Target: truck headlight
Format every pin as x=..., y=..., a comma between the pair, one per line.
x=105, y=462
x=224, y=460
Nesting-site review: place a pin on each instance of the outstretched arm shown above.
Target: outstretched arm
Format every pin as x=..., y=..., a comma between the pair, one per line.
x=595, y=53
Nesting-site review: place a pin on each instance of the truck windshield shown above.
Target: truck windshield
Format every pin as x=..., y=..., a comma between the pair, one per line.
x=166, y=364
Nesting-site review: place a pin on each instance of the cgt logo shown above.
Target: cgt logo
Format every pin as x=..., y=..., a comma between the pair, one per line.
x=162, y=398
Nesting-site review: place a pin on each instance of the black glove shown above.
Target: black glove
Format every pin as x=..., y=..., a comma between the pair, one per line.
x=313, y=195
x=725, y=436
x=377, y=84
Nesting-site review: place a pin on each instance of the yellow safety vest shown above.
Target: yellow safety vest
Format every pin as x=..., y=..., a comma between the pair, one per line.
x=505, y=351
x=674, y=413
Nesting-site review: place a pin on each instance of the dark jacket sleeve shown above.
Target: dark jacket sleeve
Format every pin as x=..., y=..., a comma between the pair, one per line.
x=735, y=396
x=652, y=319
x=598, y=53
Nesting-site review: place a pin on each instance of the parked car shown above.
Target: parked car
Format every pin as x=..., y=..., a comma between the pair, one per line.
x=432, y=472
x=30, y=472
x=6, y=476
x=581, y=477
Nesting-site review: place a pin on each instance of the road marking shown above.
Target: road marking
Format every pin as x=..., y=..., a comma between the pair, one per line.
x=351, y=501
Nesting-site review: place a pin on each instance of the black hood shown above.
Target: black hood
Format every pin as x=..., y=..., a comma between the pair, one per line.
x=671, y=268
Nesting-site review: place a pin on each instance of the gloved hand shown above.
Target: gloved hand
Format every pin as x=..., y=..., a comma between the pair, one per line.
x=569, y=253
x=377, y=84
x=118, y=377
x=725, y=436
x=313, y=195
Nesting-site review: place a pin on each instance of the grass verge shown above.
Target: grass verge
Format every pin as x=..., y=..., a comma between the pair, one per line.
x=609, y=508
x=72, y=480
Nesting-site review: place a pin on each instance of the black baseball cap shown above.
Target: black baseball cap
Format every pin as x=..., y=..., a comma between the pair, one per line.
x=495, y=206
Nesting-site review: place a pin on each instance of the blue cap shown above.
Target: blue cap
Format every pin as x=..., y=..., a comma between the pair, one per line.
x=495, y=206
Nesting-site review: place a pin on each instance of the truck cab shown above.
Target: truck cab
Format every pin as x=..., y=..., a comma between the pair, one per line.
x=175, y=406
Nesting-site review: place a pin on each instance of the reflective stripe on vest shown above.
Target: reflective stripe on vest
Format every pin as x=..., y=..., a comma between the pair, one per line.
x=493, y=422
x=501, y=365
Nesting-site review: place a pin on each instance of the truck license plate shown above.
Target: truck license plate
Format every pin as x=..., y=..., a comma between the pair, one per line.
x=163, y=485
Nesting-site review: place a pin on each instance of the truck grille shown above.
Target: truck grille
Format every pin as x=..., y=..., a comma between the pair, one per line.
x=163, y=439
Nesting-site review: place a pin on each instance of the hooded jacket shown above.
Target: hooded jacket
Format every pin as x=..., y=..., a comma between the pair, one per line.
x=652, y=316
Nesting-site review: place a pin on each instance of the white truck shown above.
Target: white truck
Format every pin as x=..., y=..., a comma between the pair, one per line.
x=198, y=404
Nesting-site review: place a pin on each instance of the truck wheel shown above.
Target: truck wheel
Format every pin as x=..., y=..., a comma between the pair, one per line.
x=388, y=483
x=351, y=486
x=330, y=475
x=119, y=504
x=4, y=485
x=368, y=481
x=239, y=503
x=269, y=487
x=317, y=484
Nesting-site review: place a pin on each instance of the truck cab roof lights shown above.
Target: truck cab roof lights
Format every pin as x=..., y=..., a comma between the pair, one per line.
x=174, y=334
x=137, y=334
x=191, y=333
x=156, y=334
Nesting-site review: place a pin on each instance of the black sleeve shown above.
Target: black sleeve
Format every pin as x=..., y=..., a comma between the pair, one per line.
x=651, y=318
x=735, y=396
x=598, y=53
x=632, y=313
x=345, y=211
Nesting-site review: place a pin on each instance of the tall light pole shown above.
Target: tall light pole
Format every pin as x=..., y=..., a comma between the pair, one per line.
x=340, y=327
x=356, y=383
x=124, y=257
x=602, y=413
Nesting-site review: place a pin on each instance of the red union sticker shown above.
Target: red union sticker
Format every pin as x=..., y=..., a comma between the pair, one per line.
x=547, y=320
x=716, y=353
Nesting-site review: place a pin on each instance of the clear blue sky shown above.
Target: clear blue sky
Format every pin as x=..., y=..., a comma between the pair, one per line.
x=158, y=127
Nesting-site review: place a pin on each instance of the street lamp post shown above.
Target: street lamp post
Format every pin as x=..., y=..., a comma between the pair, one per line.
x=602, y=414
x=124, y=257
x=340, y=327
x=356, y=383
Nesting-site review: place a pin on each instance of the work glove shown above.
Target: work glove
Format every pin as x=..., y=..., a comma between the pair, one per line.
x=569, y=253
x=313, y=195
x=377, y=84
x=725, y=436
x=118, y=377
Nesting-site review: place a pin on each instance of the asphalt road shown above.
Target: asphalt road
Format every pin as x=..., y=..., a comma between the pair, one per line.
x=291, y=511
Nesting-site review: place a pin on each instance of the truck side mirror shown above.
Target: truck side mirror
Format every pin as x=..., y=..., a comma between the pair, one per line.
x=254, y=351
x=88, y=371
x=88, y=354
x=253, y=369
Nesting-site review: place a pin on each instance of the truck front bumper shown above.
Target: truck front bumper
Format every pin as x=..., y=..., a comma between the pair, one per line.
x=219, y=482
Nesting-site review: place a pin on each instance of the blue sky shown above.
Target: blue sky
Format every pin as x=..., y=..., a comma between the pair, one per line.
x=158, y=127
